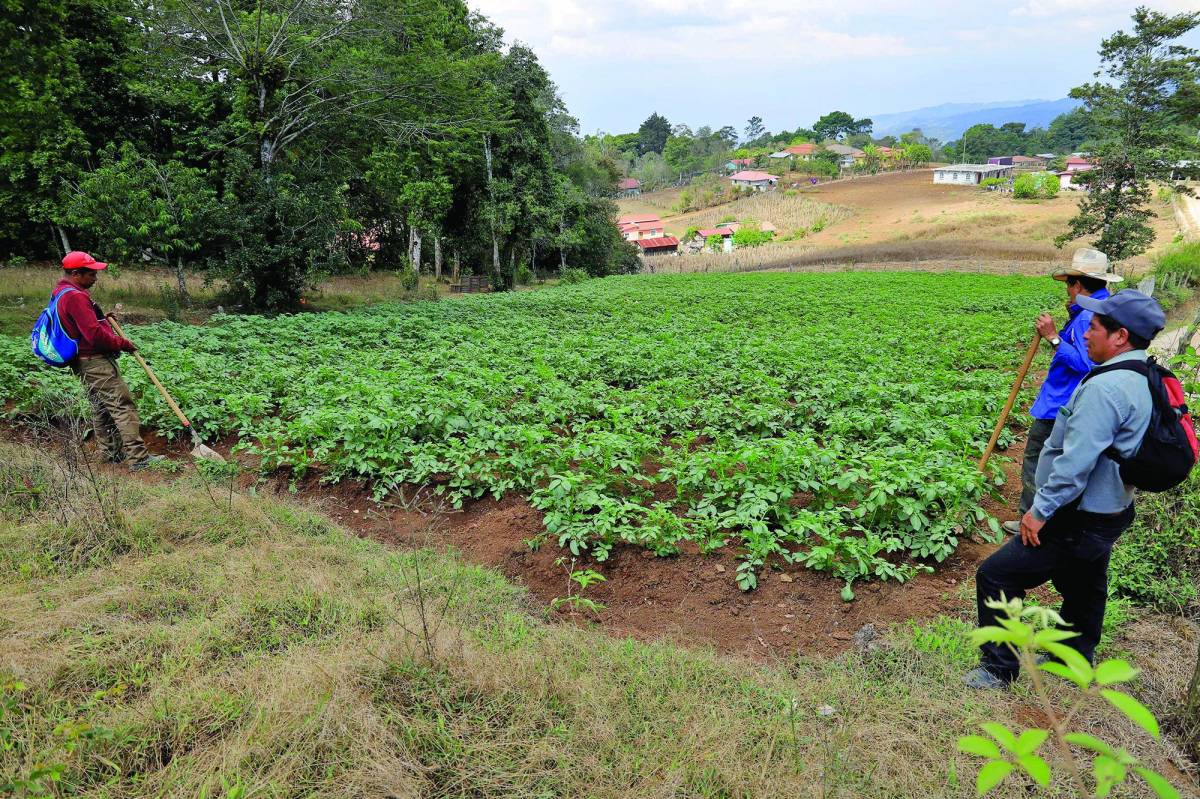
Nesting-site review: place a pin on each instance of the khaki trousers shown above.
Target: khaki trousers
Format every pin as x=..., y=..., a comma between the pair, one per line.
x=114, y=414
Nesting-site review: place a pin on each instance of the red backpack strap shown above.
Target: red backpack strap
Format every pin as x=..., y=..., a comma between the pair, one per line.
x=1178, y=400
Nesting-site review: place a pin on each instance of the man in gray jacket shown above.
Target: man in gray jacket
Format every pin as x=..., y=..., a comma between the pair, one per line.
x=1081, y=505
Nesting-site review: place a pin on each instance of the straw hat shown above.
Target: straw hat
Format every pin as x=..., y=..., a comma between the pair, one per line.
x=1088, y=263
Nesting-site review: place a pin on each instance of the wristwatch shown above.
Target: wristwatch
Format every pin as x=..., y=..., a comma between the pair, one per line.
x=1054, y=342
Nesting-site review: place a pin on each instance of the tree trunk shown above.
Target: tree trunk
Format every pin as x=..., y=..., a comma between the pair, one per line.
x=179, y=276
x=454, y=268
x=437, y=258
x=533, y=258
x=62, y=238
x=487, y=157
x=414, y=248
x=562, y=253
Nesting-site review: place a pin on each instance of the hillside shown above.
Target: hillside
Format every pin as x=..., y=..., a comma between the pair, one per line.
x=948, y=121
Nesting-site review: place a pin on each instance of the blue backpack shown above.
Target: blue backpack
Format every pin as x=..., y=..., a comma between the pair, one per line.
x=50, y=341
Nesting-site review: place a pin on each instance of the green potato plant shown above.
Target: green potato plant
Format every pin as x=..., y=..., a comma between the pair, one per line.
x=831, y=420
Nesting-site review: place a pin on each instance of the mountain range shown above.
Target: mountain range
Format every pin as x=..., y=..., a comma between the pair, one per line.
x=948, y=121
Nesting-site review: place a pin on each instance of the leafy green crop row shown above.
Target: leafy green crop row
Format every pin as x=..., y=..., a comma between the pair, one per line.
x=831, y=419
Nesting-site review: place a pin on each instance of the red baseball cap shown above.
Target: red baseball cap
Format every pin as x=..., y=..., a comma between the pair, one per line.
x=81, y=260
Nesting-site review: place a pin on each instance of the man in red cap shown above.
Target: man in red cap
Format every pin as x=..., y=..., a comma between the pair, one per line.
x=114, y=414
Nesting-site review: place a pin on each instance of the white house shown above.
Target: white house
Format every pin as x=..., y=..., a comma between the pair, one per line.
x=847, y=155
x=1075, y=165
x=640, y=226
x=759, y=181
x=970, y=174
x=725, y=232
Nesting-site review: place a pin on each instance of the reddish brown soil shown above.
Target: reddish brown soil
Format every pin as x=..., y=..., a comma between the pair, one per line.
x=690, y=598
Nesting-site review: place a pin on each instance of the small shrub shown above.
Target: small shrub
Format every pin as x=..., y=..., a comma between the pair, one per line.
x=1179, y=262
x=1028, y=631
x=819, y=225
x=1025, y=187
x=750, y=237
x=523, y=276
x=991, y=183
x=714, y=242
x=1049, y=185
x=572, y=275
x=409, y=279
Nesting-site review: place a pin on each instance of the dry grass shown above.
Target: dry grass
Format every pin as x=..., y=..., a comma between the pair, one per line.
x=994, y=257
x=150, y=295
x=787, y=210
x=253, y=646
x=908, y=208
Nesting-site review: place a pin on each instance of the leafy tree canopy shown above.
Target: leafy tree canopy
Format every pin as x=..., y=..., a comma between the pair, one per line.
x=837, y=125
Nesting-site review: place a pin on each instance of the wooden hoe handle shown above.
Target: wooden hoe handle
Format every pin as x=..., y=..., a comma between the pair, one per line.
x=1012, y=398
x=153, y=377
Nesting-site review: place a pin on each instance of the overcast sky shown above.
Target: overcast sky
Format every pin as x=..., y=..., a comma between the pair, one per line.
x=708, y=62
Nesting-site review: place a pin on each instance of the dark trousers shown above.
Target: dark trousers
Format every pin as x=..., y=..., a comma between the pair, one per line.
x=1073, y=556
x=1039, y=431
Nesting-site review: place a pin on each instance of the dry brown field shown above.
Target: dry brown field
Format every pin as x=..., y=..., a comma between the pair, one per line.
x=898, y=218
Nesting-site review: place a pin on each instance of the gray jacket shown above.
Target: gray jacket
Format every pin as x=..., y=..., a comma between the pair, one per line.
x=1111, y=409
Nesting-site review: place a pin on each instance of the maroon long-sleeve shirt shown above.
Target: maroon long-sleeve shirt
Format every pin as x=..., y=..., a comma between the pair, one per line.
x=84, y=321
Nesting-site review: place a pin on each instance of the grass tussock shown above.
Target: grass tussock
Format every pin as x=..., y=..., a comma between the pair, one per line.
x=251, y=648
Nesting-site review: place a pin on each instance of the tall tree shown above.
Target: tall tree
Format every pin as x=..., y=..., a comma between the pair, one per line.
x=1071, y=131
x=754, y=128
x=1147, y=108
x=838, y=124
x=653, y=134
x=729, y=134
x=65, y=87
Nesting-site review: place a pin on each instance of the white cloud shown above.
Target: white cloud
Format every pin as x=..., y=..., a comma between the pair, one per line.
x=693, y=30
x=1042, y=9
x=790, y=60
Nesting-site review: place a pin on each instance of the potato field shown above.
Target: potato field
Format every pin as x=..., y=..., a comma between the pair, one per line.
x=828, y=419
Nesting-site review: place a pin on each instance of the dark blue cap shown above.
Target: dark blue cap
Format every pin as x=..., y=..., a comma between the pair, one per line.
x=1133, y=310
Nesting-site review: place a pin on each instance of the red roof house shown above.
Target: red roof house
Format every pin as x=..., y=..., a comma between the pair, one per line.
x=658, y=246
x=1077, y=163
x=760, y=181
x=640, y=226
x=629, y=183
x=636, y=218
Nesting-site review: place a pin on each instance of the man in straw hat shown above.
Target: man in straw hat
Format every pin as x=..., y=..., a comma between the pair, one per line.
x=1082, y=503
x=1087, y=276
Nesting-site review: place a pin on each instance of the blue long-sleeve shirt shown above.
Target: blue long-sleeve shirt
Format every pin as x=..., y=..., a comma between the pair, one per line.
x=1069, y=365
x=1110, y=410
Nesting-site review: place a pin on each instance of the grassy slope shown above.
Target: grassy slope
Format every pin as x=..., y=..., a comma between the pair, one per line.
x=221, y=643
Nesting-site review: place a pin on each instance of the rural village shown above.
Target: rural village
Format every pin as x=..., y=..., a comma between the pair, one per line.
x=372, y=430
